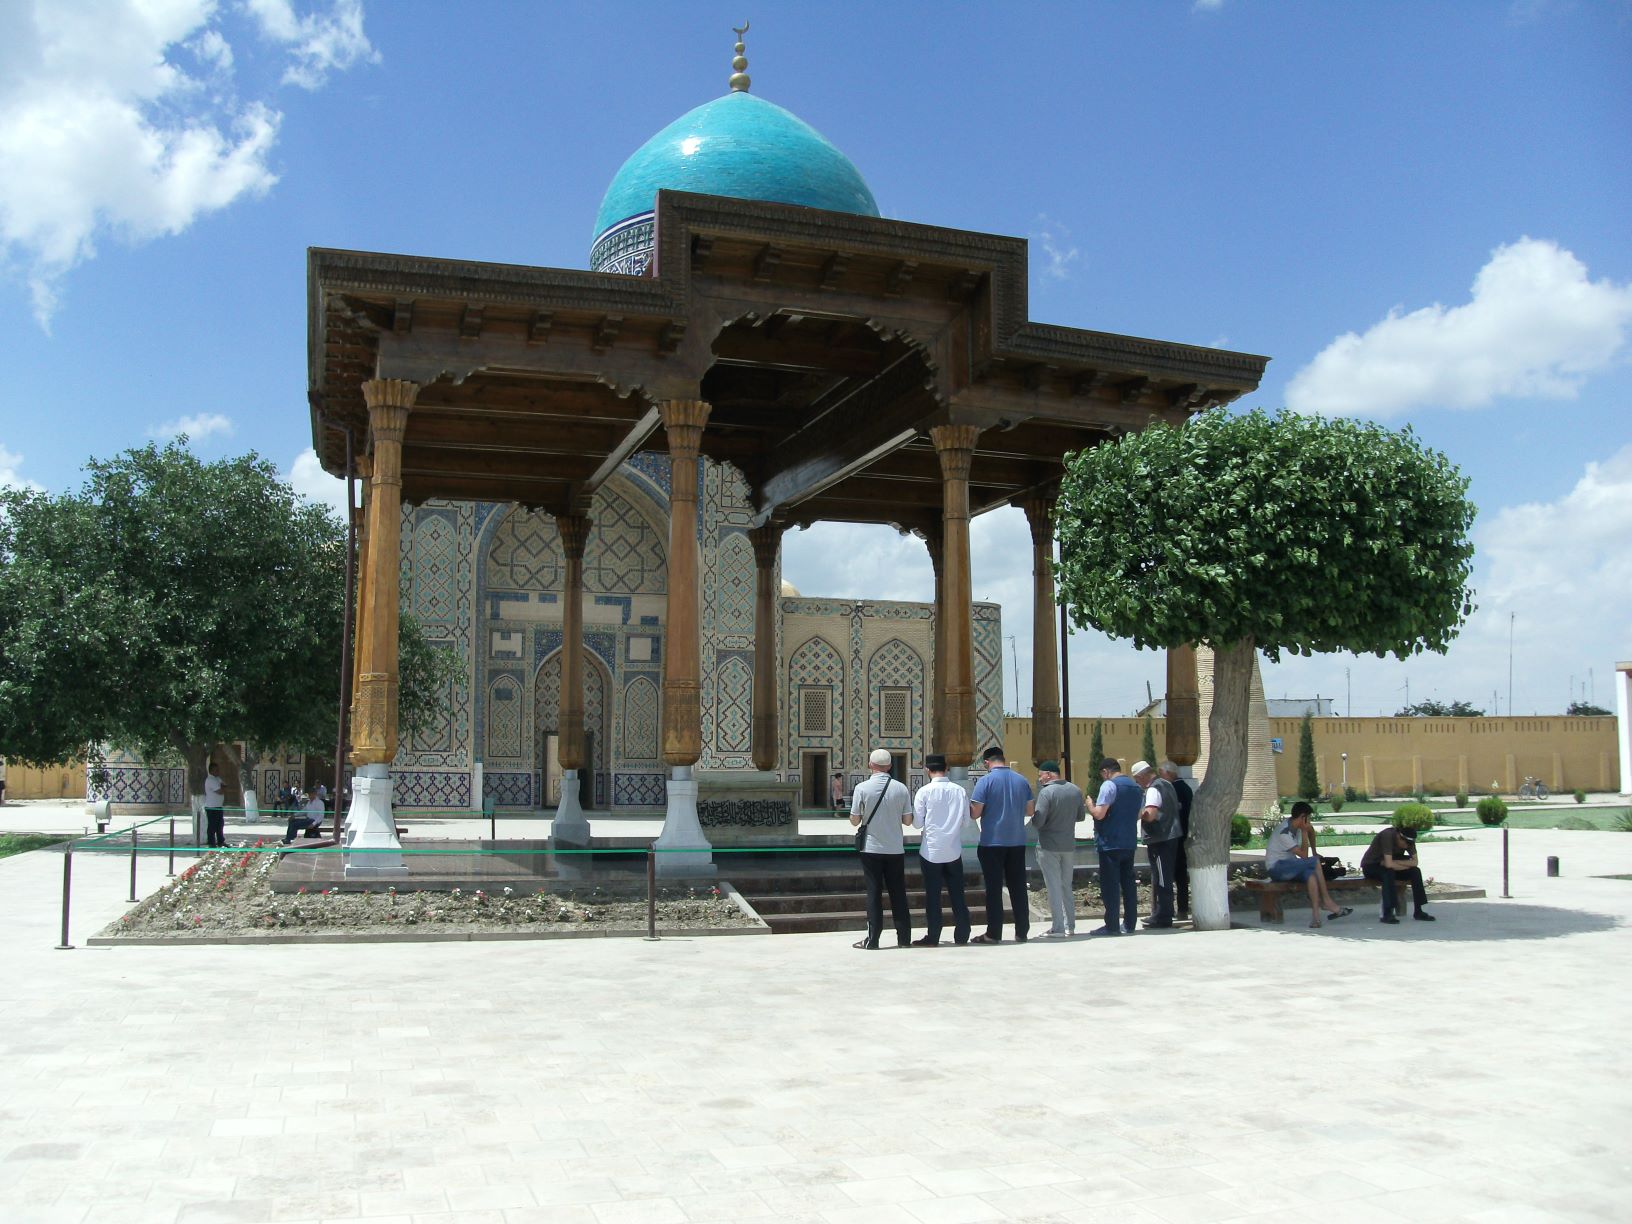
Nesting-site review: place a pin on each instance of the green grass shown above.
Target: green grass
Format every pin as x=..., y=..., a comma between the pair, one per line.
x=1599, y=818
x=22, y=843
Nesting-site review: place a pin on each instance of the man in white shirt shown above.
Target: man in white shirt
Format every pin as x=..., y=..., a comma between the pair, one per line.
x=883, y=807
x=309, y=818
x=215, y=807
x=941, y=810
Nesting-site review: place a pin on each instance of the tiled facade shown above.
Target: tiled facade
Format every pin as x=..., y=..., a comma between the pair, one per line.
x=486, y=579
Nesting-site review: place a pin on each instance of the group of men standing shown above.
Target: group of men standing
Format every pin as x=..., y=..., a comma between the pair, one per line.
x=1002, y=805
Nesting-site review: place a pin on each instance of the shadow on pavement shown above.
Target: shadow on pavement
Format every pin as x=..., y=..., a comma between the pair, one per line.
x=1462, y=922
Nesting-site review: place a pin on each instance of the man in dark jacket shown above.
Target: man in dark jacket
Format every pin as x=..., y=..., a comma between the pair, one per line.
x=1391, y=857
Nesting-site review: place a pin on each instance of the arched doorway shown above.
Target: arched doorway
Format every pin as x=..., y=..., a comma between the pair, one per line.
x=547, y=721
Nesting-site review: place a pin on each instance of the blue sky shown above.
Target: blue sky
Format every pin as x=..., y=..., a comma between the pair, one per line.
x=1446, y=185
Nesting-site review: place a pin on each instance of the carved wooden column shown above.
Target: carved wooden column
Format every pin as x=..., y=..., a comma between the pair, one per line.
x=371, y=842
x=1183, y=729
x=1045, y=662
x=934, y=539
x=955, y=448
x=570, y=824
x=682, y=846
x=374, y=735
x=767, y=542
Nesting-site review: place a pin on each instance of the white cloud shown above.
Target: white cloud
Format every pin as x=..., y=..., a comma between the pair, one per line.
x=197, y=427
x=1207, y=6
x=1559, y=569
x=307, y=477
x=1060, y=253
x=1534, y=326
x=318, y=44
x=119, y=119
x=11, y=476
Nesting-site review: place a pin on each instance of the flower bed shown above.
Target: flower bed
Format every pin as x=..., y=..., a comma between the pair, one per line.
x=230, y=893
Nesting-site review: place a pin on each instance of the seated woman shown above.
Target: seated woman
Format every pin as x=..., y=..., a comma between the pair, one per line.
x=309, y=818
x=1290, y=855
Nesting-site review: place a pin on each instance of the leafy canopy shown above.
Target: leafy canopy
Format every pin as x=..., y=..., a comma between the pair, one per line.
x=1296, y=533
x=1440, y=709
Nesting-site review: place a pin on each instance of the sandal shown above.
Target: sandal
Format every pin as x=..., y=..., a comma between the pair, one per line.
x=865, y=945
x=1343, y=912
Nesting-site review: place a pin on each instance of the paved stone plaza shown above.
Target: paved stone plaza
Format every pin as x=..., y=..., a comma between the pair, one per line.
x=1474, y=1069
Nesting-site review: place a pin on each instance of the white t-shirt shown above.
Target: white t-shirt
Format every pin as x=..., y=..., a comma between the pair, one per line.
x=941, y=810
x=884, y=830
x=314, y=809
x=212, y=791
x=1282, y=844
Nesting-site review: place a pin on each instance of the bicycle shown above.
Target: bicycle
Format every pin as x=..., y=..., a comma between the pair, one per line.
x=1533, y=788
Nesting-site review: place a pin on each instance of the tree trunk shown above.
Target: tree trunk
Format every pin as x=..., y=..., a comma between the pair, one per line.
x=1219, y=796
x=248, y=759
x=197, y=757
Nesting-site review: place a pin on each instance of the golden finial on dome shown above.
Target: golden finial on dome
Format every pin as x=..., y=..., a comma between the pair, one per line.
x=739, y=63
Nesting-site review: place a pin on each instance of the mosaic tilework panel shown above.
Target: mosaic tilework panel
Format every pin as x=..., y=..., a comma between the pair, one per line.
x=547, y=705
x=142, y=784
x=727, y=618
x=640, y=719
x=733, y=705
x=505, y=701
x=895, y=665
x=524, y=554
x=431, y=565
x=652, y=466
x=423, y=788
x=640, y=790
x=438, y=586
x=626, y=248
x=817, y=664
x=988, y=645
x=507, y=789
x=624, y=555
x=436, y=737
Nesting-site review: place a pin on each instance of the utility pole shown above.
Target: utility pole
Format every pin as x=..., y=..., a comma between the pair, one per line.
x=1014, y=657
x=1510, y=619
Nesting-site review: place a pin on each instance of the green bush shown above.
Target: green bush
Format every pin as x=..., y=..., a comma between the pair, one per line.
x=1240, y=830
x=1418, y=816
x=1461, y=799
x=1580, y=795
x=1350, y=794
x=1337, y=803
x=1492, y=811
x=1623, y=823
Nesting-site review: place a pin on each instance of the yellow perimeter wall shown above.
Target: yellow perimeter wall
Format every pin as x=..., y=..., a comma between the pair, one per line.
x=53, y=782
x=1395, y=756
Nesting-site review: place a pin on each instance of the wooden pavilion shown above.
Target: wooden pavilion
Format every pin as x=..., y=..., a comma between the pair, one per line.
x=851, y=367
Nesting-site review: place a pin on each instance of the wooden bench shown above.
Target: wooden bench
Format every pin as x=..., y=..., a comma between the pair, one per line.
x=1270, y=892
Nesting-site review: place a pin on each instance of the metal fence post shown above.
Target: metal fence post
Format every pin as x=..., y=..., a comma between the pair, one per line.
x=1505, y=894
x=171, y=870
x=67, y=882
x=132, y=863
x=651, y=892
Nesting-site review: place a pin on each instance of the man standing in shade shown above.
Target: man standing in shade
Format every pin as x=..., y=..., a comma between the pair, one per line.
x=1002, y=804
x=1059, y=808
x=1181, y=861
x=1160, y=820
x=883, y=806
x=215, y=808
x=940, y=809
x=1116, y=826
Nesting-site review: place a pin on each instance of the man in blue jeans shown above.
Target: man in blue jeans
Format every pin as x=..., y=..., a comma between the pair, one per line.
x=1001, y=805
x=1116, y=828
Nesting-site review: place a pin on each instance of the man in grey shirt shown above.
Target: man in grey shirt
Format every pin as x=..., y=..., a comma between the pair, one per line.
x=1159, y=819
x=1059, y=808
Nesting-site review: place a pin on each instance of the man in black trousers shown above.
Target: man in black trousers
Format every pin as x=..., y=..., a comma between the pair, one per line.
x=883, y=806
x=1181, y=862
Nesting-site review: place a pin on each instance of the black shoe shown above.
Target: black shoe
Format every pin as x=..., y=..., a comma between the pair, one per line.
x=1104, y=930
x=1390, y=919
x=1156, y=926
x=987, y=939
x=1021, y=938
x=926, y=942
x=1424, y=916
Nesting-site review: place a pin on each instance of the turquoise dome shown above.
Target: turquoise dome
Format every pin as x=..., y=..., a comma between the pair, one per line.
x=740, y=146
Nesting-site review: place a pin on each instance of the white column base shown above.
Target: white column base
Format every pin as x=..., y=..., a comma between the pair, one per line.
x=571, y=826
x=252, y=808
x=370, y=827
x=682, y=848
x=1210, y=898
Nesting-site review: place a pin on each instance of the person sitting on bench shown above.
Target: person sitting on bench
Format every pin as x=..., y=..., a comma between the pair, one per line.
x=1391, y=855
x=310, y=819
x=1290, y=855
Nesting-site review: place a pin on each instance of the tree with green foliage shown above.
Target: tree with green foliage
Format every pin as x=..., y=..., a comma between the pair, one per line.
x=1440, y=709
x=172, y=605
x=1308, y=774
x=1147, y=743
x=1255, y=532
x=1585, y=709
x=1096, y=750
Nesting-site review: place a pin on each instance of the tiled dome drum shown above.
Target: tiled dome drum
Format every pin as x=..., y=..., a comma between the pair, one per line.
x=739, y=146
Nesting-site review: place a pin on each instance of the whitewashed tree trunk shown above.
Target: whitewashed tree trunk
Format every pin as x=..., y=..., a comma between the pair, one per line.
x=1219, y=795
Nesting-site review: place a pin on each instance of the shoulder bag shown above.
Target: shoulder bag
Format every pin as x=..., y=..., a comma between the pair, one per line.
x=861, y=833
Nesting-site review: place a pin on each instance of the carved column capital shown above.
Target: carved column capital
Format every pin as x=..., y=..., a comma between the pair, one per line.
x=683, y=421
x=574, y=529
x=767, y=542
x=955, y=448
x=1039, y=510
x=389, y=401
